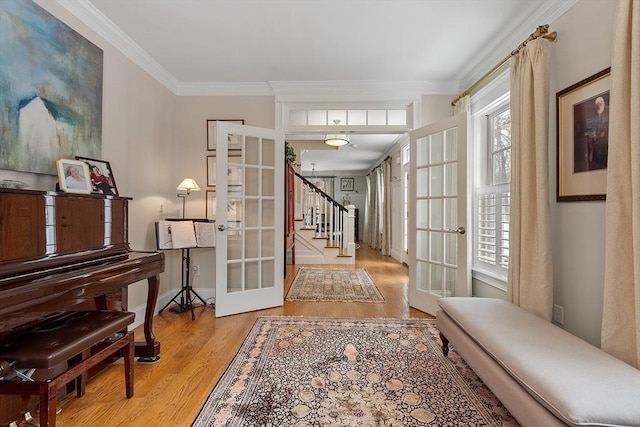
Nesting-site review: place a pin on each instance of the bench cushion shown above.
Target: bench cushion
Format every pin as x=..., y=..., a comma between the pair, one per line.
x=58, y=340
x=579, y=383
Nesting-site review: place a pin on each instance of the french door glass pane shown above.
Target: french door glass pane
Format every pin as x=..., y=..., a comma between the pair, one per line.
x=435, y=246
x=422, y=213
x=435, y=181
x=422, y=182
x=234, y=277
x=450, y=179
x=422, y=151
x=436, y=148
x=435, y=214
x=451, y=144
x=251, y=275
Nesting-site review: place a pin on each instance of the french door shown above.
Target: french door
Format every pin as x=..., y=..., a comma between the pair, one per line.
x=249, y=218
x=438, y=213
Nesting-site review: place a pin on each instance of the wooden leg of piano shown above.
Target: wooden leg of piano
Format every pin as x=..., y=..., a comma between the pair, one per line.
x=149, y=351
x=128, y=366
x=48, y=404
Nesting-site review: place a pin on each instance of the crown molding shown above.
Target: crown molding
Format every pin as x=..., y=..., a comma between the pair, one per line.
x=547, y=13
x=224, y=89
x=290, y=91
x=94, y=19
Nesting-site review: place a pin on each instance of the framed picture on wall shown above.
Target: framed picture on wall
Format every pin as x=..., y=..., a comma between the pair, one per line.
x=211, y=205
x=582, y=120
x=346, y=184
x=234, y=172
x=211, y=134
x=73, y=176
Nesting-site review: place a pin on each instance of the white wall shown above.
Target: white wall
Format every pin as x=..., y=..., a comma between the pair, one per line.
x=582, y=49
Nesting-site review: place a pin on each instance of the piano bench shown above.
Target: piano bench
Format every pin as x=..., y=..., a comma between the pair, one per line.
x=68, y=336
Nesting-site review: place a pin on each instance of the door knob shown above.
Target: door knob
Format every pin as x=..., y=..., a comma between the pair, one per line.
x=459, y=230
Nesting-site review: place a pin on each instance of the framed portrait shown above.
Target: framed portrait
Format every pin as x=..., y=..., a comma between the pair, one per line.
x=101, y=176
x=582, y=120
x=233, y=140
x=346, y=184
x=73, y=176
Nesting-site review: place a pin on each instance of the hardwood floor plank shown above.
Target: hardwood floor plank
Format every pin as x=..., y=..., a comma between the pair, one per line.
x=195, y=353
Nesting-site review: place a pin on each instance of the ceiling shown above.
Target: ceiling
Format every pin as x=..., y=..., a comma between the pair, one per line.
x=285, y=48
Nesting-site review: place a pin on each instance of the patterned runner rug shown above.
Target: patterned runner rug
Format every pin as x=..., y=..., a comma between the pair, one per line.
x=302, y=372
x=334, y=284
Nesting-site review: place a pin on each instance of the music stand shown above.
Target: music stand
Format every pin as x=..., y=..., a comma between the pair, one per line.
x=186, y=296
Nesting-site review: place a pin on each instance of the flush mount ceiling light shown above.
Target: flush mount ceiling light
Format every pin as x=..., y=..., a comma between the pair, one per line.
x=336, y=139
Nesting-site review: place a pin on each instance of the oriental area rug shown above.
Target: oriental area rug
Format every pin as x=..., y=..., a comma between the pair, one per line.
x=301, y=372
x=334, y=284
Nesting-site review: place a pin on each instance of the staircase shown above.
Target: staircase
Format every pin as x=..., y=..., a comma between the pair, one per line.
x=324, y=229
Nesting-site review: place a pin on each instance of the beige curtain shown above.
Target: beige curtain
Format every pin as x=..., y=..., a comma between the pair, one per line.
x=385, y=244
x=462, y=105
x=530, y=280
x=372, y=230
x=621, y=311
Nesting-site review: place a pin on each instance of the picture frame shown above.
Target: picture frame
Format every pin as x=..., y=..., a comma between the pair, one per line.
x=211, y=134
x=346, y=184
x=210, y=213
x=101, y=176
x=582, y=129
x=73, y=176
x=234, y=173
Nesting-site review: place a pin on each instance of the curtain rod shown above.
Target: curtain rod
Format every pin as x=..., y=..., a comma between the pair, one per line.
x=541, y=31
x=385, y=159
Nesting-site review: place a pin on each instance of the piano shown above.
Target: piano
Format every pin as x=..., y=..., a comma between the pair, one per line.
x=63, y=251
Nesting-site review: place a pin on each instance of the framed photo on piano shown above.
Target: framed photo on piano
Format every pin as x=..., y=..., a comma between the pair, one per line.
x=102, y=180
x=73, y=176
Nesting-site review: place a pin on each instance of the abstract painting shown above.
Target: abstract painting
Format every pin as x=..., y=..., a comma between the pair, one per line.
x=50, y=90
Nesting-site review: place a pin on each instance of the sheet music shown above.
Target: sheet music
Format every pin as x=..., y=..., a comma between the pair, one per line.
x=183, y=234
x=164, y=235
x=205, y=234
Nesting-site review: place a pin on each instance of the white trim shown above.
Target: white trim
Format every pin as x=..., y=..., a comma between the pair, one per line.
x=489, y=279
x=92, y=17
x=224, y=89
x=512, y=36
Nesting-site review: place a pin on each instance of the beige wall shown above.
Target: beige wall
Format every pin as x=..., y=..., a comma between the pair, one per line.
x=189, y=157
x=583, y=48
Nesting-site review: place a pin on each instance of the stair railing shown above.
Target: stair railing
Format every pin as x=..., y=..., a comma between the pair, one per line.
x=326, y=216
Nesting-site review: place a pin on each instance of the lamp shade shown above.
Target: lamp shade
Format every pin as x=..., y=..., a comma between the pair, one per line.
x=188, y=185
x=336, y=140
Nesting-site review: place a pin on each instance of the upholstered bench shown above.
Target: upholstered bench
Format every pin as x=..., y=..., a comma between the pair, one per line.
x=544, y=375
x=65, y=341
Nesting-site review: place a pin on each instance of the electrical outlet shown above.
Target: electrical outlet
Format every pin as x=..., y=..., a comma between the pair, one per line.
x=196, y=270
x=558, y=314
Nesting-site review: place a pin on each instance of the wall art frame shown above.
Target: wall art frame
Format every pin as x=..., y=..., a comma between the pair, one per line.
x=234, y=173
x=346, y=184
x=211, y=134
x=582, y=131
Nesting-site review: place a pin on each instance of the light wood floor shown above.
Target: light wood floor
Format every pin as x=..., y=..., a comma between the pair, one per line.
x=195, y=353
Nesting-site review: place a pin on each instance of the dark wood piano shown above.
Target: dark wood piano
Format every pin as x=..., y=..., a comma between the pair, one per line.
x=62, y=251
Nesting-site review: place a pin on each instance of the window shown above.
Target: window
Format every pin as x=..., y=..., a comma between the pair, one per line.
x=492, y=191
